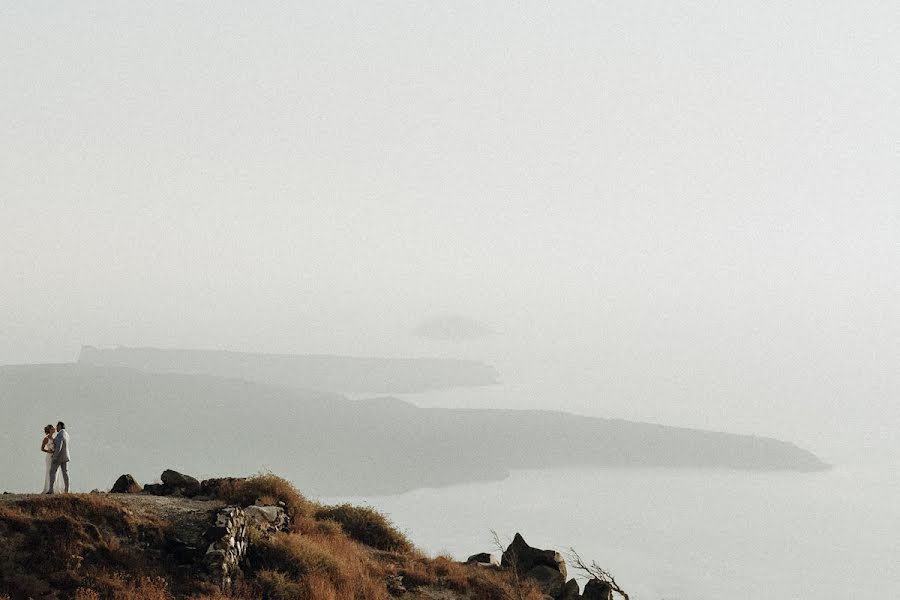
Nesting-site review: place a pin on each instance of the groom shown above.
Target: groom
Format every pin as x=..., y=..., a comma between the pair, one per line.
x=60, y=458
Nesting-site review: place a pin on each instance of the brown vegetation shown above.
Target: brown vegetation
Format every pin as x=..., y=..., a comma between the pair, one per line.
x=366, y=525
x=266, y=489
x=73, y=541
x=91, y=547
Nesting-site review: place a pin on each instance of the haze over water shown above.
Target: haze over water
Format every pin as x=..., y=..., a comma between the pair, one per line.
x=683, y=535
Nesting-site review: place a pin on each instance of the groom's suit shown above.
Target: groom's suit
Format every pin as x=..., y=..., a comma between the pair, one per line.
x=60, y=459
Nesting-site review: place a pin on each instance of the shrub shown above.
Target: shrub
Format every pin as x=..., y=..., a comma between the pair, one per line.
x=312, y=526
x=295, y=555
x=269, y=488
x=278, y=586
x=471, y=580
x=366, y=525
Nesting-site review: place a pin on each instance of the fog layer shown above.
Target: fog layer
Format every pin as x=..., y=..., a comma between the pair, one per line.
x=684, y=213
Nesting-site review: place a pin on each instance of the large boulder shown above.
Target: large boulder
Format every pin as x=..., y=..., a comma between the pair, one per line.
x=176, y=483
x=126, y=484
x=549, y=579
x=524, y=558
x=155, y=489
x=570, y=592
x=597, y=590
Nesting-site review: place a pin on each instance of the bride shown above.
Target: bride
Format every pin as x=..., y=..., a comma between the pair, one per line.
x=47, y=446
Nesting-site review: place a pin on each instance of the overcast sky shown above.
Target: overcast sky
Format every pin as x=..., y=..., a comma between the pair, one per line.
x=685, y=212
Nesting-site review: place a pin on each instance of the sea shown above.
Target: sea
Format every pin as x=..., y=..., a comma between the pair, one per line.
x=684, y=534
x=671, y=534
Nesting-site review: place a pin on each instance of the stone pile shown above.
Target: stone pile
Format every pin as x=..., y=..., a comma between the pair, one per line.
x=175, y=484
x=229, y=538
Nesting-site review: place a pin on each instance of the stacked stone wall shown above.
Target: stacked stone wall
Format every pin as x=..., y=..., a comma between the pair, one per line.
x=230, y=537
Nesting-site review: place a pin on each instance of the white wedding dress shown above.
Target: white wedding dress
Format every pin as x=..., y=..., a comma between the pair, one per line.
x=48, y=457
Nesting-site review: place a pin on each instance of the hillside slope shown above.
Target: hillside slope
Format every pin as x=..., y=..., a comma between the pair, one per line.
x=142, y=547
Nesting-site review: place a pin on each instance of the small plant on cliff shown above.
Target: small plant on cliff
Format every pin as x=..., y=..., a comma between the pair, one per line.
x=366, y=525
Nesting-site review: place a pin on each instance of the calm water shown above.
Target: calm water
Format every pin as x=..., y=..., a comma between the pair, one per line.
x=683, y=534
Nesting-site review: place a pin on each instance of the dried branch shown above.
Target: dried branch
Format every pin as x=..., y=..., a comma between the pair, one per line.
x=595, y=571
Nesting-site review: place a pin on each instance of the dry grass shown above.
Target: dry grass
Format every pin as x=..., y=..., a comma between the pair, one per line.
x=309, y=567
x=70, y=542
x=366, y=525
x=312, y=526
x=81, y=545
x=470, y=580
x=266, y=489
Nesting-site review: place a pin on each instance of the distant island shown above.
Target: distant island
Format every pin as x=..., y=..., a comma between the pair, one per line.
x=128, y=420
x=346, y=374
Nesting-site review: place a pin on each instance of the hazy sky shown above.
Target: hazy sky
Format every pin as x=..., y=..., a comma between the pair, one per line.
x=689, y=212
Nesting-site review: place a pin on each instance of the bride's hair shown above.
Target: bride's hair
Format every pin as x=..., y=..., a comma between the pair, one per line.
x=48, y=428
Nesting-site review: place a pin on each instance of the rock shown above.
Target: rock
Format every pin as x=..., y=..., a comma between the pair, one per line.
x=550, y=580
x=597, y=590
x=570, y=592
x=267, y=519
x=484, y=558
x=181, y=551
x=521, y=556
x=126, y=484
x=264, y=514
x=178, y=483
x=155, y=489
x=214, y=533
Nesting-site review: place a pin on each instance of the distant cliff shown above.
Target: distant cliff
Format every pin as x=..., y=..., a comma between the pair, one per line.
x=317, y=372
x=129, y=420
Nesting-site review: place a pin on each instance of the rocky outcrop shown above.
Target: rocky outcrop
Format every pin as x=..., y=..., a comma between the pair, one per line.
x=521, y=556
x=180, y=484
x=597, y=590
x=174, y=484
x=570, y=591
x=547, y=567
x=551, y=581
x=126, y=484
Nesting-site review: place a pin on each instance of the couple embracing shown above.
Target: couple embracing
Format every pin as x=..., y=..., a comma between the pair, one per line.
x=56, y=448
